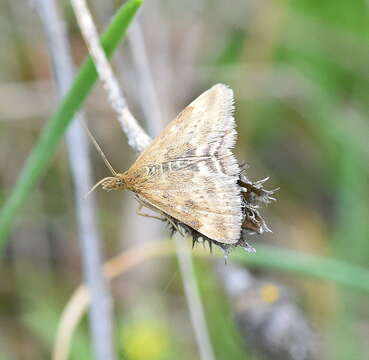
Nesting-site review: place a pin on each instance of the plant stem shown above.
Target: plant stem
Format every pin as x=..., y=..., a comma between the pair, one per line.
x=137, y=138
x=193, y=298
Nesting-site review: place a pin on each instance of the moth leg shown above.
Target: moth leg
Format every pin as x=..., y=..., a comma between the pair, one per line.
x=176, y=227
x=138, y=212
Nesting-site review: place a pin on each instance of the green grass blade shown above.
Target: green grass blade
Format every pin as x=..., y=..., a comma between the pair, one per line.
x=324, y=268
x=53, y=131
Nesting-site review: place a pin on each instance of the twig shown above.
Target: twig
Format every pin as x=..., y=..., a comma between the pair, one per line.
x=137, y=138
x=77, y=146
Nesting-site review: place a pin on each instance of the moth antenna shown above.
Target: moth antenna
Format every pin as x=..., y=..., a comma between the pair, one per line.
x=98, y=148
x=96, y=185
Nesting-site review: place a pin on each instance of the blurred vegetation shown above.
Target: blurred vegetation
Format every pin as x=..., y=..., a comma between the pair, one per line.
x=300, y=75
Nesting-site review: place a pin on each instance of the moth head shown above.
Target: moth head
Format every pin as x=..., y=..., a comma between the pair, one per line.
x=113, y=182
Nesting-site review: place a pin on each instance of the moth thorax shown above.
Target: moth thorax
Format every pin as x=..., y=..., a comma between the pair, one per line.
x=114, y=183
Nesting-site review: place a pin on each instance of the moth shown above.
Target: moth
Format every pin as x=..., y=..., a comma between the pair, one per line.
x=189, y=175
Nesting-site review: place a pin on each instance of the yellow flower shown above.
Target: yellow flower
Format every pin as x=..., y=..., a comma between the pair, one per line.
x=269, y=293
x=144, y=341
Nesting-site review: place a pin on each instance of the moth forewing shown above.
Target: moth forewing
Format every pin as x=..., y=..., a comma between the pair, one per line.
x=197, y=203
x=191, y=173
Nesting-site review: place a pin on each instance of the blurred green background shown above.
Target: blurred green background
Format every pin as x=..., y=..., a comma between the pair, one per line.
x=299, y=71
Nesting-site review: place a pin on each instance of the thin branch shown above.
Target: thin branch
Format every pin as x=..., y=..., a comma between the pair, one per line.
x=77, y=146
x=137, y=138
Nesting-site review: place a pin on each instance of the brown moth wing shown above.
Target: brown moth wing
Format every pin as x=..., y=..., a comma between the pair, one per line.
x=189, y=171
x=205, y=204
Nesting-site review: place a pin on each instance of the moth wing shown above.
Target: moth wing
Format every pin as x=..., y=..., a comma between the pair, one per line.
x=189, y=171
x=205, y=127
x=207, y=202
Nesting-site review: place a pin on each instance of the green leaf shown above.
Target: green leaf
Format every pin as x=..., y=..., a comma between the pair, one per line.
x=55, y=128
x=323, y=268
